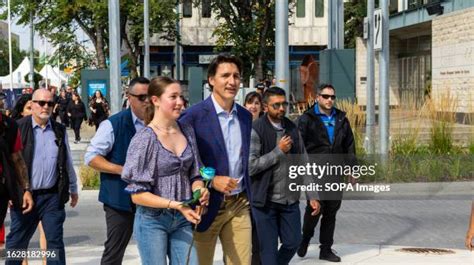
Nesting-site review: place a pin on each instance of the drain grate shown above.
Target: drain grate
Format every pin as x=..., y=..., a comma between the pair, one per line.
x=436, y=251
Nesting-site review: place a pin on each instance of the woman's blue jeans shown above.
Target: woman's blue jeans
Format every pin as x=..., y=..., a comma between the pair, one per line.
x=162, y=233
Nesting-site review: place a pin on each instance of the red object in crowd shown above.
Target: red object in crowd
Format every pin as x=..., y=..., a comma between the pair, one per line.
x=2, y=234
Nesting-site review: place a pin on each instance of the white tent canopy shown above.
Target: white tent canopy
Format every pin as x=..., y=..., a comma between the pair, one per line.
x=18, y=76
x=54, y=76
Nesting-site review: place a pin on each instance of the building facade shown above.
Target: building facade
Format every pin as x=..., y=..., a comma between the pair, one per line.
x=307, y=36
x=431, y=53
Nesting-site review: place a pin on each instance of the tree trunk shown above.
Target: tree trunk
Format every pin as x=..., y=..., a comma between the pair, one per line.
x=258, y=64
x=99, y=48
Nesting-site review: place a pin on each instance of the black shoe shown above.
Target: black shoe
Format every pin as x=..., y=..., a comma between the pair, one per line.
x=327, y=254
x=303, y=247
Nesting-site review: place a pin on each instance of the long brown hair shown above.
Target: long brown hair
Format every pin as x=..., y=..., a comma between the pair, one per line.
x=156, y=88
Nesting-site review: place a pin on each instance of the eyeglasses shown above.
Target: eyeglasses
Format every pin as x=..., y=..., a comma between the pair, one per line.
x=42, y=103
x=142, y=97
x=279, y=105
x=325, y=96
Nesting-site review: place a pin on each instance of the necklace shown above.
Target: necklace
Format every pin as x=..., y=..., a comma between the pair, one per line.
x=164, y=129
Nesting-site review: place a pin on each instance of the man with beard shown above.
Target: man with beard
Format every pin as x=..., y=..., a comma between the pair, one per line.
x=275, y=210
x=52, y=179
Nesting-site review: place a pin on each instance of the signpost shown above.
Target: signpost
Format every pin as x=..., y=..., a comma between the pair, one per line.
x=378, y=29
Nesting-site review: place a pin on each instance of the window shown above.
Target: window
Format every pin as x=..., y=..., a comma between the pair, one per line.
x=206, y=8
x=187, y=8
x=319, y=8
x=300, y=8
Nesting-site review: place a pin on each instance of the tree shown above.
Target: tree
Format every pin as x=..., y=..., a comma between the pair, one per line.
x=36, y=79
x=248, y=30
x=17, y=57
x=354, y=13
x=162, y=21
x=60, y=20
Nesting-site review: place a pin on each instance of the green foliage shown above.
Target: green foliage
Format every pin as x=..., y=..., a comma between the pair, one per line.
x=354, y=13
x=36, y=79
x=90, y=178
x=247, y=31
x=59, y=21
x=422, y=166
x=17, y=57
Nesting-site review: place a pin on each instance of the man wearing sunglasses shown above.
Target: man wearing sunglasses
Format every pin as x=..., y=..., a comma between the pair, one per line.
x=52, y=179
x=325, y=130
x=275, y=209
x=106, y=154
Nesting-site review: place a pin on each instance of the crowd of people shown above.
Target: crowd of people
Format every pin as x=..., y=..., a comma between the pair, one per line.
x=151, y=158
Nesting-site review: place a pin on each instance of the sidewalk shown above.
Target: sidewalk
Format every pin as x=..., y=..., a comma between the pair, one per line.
x=350, y=254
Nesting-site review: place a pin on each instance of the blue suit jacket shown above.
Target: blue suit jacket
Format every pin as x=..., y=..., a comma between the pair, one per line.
x=211, y=145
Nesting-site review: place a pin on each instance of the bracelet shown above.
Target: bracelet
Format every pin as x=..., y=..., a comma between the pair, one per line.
x=169, y=204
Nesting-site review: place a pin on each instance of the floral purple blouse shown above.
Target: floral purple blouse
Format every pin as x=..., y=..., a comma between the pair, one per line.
x=151, y=167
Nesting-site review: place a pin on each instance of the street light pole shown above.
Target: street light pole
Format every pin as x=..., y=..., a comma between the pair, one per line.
x=114, y=55
x=32, y=53
x=10, y=57
x=146, y=37
x=282, y=67
x=370, y=106
x=384, y=95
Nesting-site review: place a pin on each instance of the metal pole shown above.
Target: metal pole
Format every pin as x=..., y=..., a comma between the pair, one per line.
x=330, y=25
x=146, y=37
x=114, y=55
x=384, y=95
x=32, y=51
x=178, y=44
x=370, y=89
x=46, y=63
x=10, y=57
x=340, y=25
x=282, y=67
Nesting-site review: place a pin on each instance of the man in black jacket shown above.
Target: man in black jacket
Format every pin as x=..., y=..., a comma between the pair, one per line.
x=325, y=130
x=52, y=179
x=275, y=210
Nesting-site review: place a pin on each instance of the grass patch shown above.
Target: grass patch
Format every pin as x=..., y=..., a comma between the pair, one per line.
x=90, y=178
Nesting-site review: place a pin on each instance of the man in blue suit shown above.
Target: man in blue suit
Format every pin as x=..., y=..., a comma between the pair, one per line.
x=223, y=130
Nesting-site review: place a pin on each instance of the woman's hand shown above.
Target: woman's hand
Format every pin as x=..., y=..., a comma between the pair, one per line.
x=204, y=199
x=189, y=214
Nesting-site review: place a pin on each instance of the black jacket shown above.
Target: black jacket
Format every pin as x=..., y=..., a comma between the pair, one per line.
x=316, y=138
x=27, y=137
x=9, y=178
x=78, y=111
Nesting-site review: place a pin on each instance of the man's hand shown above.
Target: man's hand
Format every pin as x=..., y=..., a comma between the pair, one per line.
x=285, y=144
x=224, y=184
x=316, y=207
x=27, y=202
x=469, y=237
x=74, y=199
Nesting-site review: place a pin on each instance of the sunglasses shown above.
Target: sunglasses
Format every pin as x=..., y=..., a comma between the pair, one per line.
x=325, y=96
x=142, y=97
x=279, y=105
x=42, y=103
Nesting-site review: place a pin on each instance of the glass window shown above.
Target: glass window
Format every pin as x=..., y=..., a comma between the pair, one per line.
x=300, y=8
x=206, y=8
x=319, y=8
x=187, y=8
